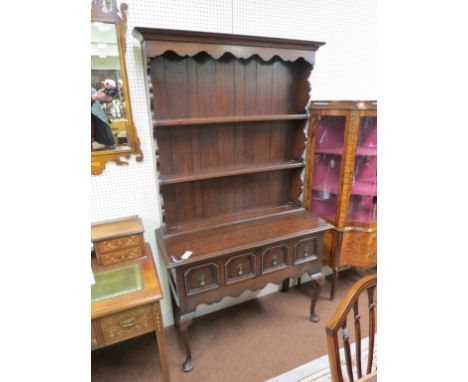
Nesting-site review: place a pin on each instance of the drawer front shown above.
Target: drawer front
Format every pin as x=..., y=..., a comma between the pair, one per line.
x=274, y=258
x=127, y=324
x=107, y=246
x=240, y=267
x=201, y=278
x=119, y=256
x=306, y=250
x=359, y=249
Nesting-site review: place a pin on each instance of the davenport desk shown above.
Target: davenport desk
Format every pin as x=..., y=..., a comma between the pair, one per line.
x=126, y=303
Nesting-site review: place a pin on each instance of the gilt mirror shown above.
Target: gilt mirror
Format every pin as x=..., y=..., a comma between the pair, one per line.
x=113, y=133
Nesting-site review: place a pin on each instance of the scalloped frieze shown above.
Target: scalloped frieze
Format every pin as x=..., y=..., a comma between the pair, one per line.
x=215, y=51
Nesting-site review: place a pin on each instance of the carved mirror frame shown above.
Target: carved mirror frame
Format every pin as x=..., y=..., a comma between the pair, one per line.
x=106, y=11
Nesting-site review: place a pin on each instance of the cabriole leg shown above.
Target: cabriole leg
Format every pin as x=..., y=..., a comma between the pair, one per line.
x=183, y=324
x=319, y=281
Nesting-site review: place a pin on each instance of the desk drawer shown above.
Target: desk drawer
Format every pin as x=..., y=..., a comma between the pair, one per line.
x=120, y=256
x=112, y=245
x=126, y=324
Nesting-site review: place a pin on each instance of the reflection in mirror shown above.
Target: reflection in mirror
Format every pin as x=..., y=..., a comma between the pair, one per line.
x=109, y=121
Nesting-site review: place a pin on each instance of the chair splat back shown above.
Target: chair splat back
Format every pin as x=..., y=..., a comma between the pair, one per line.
x=339, y=323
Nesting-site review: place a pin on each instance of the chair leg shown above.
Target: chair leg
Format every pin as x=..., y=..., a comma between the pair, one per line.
x=299, y=279
x=285, y=287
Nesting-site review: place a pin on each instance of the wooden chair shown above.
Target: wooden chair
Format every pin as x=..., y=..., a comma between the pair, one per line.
x=366, y=284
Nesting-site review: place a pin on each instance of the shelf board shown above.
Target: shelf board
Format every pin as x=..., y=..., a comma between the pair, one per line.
x=332, y=188
x=361, y=217
x=231, y=119
x=366, y=151
x=219, y=173
x=332, y=151
x=230, y=218
x=363, y=188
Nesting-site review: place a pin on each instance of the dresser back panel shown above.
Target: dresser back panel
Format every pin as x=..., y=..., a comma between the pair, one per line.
x=213, y=197
x=189, y=149
x=201, y=86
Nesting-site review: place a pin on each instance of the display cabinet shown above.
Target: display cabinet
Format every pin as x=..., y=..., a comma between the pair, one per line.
x=341, y=181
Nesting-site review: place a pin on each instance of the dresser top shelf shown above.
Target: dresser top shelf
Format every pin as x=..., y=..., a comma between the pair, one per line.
x=218, y=241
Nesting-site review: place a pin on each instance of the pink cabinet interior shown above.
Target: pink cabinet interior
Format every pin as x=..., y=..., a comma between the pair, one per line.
x=363, y=201
x=329, y=135
x=329, y=140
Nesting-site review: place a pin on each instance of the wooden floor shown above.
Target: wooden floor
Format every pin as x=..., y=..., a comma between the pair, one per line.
x=250, y=342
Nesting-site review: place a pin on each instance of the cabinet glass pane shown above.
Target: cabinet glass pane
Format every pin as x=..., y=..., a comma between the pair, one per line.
x=329, y=139
x=363, y=200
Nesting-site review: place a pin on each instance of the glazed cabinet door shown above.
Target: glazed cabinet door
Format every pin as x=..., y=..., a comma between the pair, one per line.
x=328, y=133
x=362, y=209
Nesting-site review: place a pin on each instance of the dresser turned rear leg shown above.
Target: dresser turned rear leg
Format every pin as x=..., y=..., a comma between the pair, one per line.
x=182, y=326
x=334, y=283
x=319, y=281
x=285, y=287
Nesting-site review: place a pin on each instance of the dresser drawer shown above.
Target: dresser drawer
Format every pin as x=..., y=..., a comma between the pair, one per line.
x=112, y=245
x=120, y=256
x=274, y=258
x=201, y=278
x=240, y=267
x=306, y=250
x=126, y=324
x=359, y=249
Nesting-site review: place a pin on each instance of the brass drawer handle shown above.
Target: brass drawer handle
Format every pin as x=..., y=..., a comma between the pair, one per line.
x=201, y=280
x=306, y=253
x=128, y=322
x=240, y=270
x=275, y=260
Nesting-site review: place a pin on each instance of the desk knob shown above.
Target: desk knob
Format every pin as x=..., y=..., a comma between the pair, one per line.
x=275, y=260
x=240, y=270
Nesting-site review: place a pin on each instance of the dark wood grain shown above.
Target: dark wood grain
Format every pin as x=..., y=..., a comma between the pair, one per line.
x=229, y=119
x=217, y=241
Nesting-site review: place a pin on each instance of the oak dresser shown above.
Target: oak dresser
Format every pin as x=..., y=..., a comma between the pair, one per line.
x=229, y=115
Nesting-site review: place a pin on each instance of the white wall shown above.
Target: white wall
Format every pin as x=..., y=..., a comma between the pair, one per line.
x=345, y=69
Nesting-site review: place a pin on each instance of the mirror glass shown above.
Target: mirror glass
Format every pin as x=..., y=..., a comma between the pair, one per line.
x=108, y=115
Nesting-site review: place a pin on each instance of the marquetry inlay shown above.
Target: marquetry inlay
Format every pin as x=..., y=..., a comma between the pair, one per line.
x=127, y=323
x=120, y=256
x=123, y=242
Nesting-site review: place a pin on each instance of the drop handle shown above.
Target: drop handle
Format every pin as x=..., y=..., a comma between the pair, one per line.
x=274, y=260
x=127, y=323
x=201, y=280
x=240, y=270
